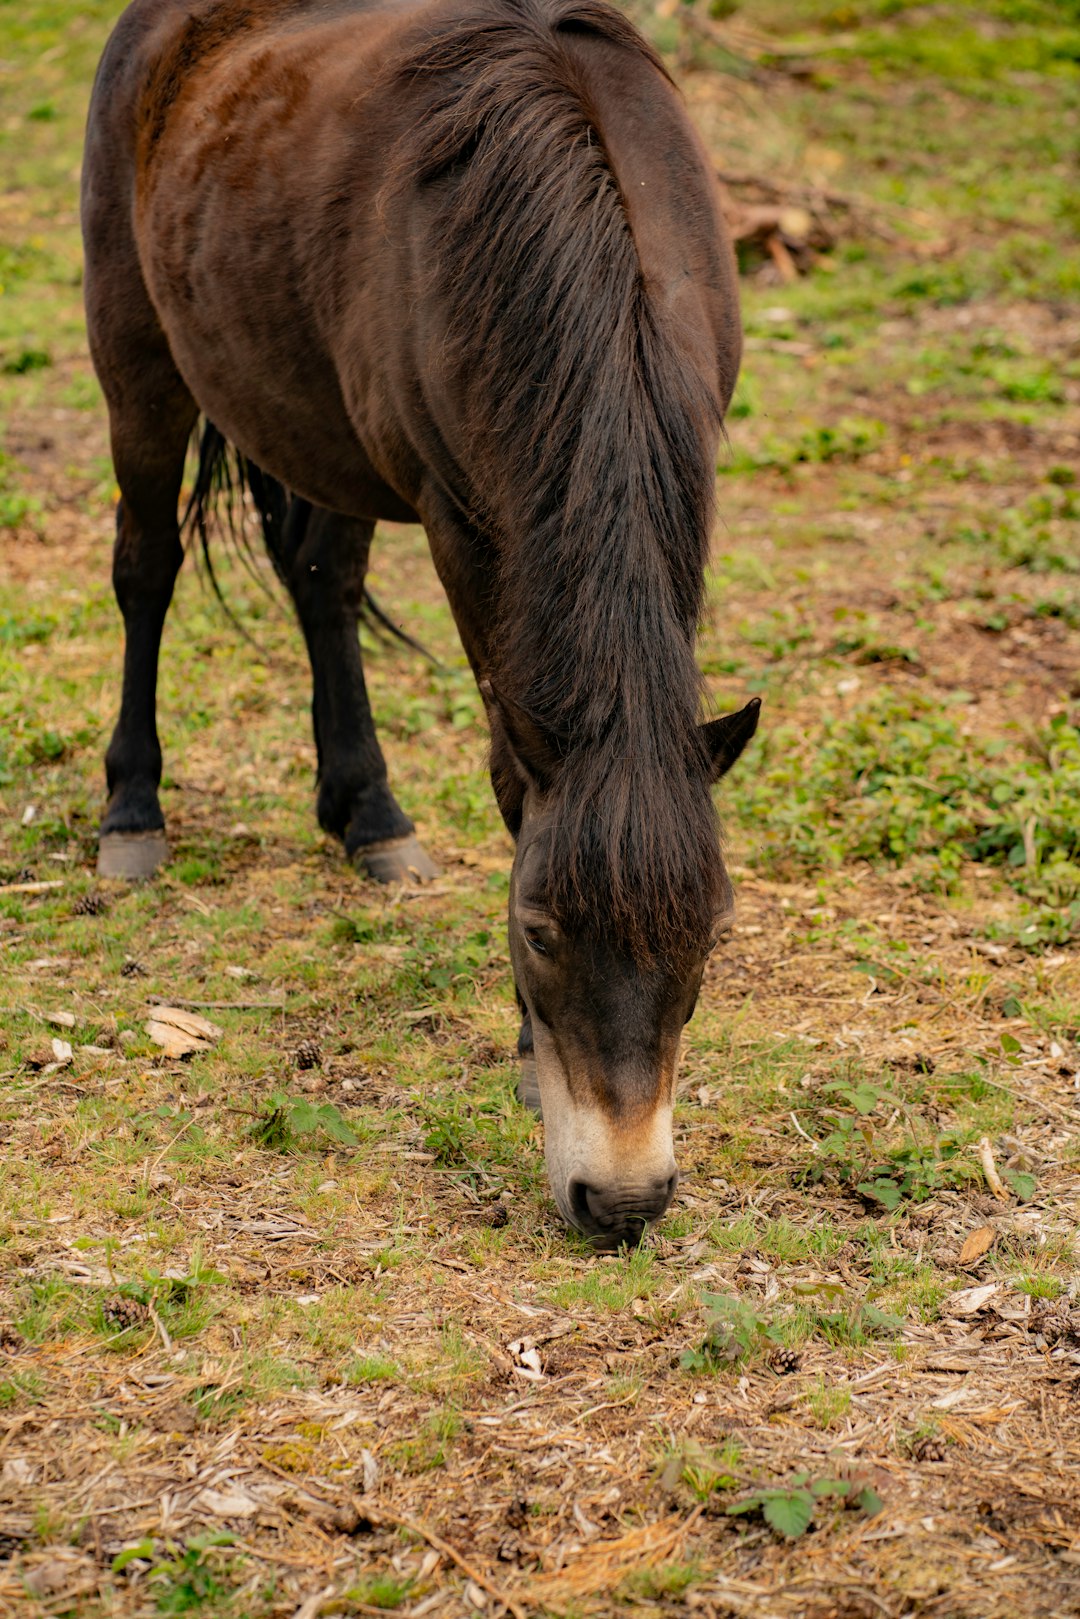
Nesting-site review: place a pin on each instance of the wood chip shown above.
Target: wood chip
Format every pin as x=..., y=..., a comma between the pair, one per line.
x=970, y=1300
x=313, y=1605
x=526, y=1359
x=977, y=1244
x=180, y=1033
x=227, y=1503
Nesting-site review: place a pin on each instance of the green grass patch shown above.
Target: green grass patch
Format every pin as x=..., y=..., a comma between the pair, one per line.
x=901, y=781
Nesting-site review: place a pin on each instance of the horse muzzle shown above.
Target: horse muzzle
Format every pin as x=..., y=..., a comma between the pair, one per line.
x=614, y=1215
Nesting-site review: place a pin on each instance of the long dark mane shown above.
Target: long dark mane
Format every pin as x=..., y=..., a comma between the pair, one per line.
x=587, y=454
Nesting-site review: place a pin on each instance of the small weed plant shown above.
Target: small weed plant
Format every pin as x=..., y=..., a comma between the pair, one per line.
x=897, y=781
x=670, y=1580
x=790, y=1509
x=853, y=1148
x=383, y=1591
x=184, y=1579
x=851, y=438
x=288, y=1122
x=703, y=1470
x=736, y=1332
x=878, y=1145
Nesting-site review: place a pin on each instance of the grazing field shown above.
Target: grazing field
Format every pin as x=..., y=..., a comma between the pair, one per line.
x=291, y=1326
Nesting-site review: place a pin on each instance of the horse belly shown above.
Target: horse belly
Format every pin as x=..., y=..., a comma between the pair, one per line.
x=284, y=411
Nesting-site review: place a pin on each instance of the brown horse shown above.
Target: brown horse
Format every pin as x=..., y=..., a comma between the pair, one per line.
x=459, y=261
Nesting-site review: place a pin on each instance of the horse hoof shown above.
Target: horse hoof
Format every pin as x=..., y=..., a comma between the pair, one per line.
x=131, y=855
x=528, y=1086
x=396, y=860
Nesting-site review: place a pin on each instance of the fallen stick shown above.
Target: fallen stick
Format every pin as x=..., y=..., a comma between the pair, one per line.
x=28, y=888
x=160, y=1327
x=390, y=1520
x=989, y=1169
x=216, y=1006
x=869, y=213
x=780, y=256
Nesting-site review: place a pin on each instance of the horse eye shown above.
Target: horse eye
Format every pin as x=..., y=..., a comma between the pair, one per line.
x=535, y=942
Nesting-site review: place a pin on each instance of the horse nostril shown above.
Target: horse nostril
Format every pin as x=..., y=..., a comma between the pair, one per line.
x=593, y=1208
x=579, y=1203
x=620, y=1208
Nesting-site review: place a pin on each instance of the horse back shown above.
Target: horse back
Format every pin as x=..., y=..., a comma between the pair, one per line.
x=672, y=201
x=246, y=157
x=224, y=145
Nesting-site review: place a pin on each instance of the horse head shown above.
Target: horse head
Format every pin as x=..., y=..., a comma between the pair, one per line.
x=604, y=1020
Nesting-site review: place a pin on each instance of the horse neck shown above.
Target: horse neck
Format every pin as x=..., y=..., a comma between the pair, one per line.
x=602, y=572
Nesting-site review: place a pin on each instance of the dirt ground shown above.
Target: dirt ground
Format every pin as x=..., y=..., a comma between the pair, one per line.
x=290, y=1326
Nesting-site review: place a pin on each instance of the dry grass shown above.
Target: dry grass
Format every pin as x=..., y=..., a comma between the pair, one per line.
x=251, y=1370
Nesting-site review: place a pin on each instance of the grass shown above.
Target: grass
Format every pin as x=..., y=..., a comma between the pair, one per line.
x=898, y=778
x=702, y=1470
x=827, y=1406
x=431, y=1446
x=668, y=1580
x=611, y=1287
x=314, y=1292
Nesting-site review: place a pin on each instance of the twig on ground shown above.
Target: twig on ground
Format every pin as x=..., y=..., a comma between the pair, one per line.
x=803, y=1133
x=149, y=1170
x=160, y=1327
x=313, y=1605
x=216, y=1006
x=989, y=1169
x=383, y=1518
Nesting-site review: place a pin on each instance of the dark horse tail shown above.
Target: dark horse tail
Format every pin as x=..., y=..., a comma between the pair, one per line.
x=223, y=476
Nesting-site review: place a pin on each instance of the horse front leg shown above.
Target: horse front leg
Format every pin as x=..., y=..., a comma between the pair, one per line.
x=461, y=559
x=326, y=565
x=527, y=1089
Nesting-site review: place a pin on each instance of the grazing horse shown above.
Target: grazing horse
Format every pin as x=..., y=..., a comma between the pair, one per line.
x=461, y=262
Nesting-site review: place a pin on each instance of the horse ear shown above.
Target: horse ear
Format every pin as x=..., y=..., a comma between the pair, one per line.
x=726, y=737
x=533, y=755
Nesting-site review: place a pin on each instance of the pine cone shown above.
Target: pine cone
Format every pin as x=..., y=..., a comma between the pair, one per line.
x=517, y=1513
x=307, y=1055
x=497, y=1216
x=10, y=1341
x=1054, y=1321
x=784, y=1360
x=928, y=1449
x=91, y=904
x=123, y=1313
x=132, y=969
